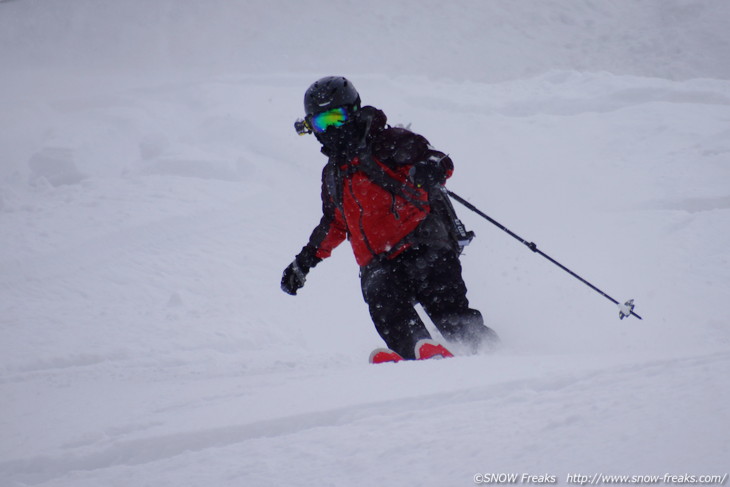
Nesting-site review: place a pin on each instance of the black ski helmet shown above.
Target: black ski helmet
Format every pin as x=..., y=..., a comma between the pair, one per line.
x=330, y=92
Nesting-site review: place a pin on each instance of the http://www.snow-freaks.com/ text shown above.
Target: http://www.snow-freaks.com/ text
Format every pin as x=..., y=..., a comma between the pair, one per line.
x=601, y=479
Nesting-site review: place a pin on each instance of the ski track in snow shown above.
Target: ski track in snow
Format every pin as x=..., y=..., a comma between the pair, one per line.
x=489, y=412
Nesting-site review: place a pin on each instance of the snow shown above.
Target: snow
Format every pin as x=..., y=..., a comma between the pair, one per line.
x=152, y=189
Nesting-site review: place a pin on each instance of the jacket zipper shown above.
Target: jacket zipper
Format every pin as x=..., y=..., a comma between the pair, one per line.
x=394, y=208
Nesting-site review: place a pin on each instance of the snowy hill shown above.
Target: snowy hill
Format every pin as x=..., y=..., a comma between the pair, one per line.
x=152, y=190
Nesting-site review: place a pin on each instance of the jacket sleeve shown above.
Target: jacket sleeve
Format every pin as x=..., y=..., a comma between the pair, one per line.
x=328, y=234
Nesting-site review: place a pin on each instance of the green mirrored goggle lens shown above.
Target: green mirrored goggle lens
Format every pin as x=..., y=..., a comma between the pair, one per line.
x=331, y=118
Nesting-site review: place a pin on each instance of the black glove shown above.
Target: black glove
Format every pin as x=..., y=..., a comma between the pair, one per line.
x=295, y=275
x=293, y=278
x=427, y=174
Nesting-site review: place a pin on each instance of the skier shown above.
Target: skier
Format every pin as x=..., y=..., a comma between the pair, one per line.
x=381, y=189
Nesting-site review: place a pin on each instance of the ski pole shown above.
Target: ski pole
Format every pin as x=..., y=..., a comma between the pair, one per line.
x=626, y=309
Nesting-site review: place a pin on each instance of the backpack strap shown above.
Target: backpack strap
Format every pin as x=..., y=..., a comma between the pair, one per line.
x=394, y=186
x=333, y=182
x=457, y=230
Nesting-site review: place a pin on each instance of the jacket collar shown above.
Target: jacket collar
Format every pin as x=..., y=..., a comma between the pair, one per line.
x=370, y=122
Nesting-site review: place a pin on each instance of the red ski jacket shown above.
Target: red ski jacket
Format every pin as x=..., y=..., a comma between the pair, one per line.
x=357, y=206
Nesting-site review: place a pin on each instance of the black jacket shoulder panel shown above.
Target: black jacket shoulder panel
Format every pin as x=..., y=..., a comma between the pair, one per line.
x=397, y=146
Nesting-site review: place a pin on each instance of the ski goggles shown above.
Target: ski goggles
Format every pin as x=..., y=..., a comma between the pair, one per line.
x=320, y=122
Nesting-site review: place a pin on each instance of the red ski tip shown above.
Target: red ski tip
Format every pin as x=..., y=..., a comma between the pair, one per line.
x=383, y=355
x=428, y=349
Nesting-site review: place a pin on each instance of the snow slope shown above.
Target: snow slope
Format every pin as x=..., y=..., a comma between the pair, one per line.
x=146, y=215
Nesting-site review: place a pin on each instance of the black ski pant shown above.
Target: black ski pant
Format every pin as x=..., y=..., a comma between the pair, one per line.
x=431, y=277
